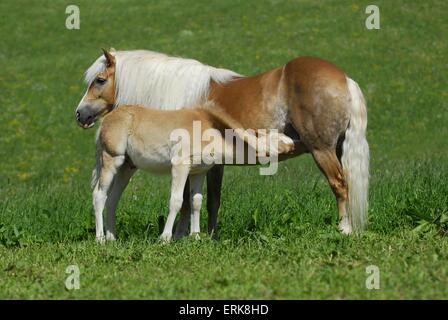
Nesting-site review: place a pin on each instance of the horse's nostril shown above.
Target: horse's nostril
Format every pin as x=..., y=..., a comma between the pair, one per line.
x=78, y=115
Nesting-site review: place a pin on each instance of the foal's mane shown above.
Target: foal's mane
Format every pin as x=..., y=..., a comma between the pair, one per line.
x=156, y=79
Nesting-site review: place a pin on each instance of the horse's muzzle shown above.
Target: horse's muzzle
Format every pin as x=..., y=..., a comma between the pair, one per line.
x=85, y=119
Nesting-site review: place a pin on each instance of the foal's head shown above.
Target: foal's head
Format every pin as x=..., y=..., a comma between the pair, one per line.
x=100, y=96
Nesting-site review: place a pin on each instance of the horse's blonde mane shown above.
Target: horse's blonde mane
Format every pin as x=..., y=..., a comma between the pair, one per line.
x=158, y=80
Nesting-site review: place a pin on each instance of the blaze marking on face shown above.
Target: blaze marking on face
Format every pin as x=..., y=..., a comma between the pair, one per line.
x=100, y=96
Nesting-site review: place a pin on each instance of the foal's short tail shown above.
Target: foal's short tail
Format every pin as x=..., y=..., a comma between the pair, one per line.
x=355, y=159
x=96, y=171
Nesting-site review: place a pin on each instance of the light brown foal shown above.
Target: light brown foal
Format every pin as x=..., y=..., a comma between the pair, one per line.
x=171, y=141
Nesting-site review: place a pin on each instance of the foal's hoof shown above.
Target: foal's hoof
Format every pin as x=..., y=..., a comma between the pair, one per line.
x=285, y=144
x=100, y=240
x=195, y=236
x=110, y=237
x=166, y=237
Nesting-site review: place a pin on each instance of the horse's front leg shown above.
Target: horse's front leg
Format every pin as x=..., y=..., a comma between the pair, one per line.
x=120, y=182
x=109, y=167
x=179, y=176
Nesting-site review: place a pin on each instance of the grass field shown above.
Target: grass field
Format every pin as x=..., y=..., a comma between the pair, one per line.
x=278, y=235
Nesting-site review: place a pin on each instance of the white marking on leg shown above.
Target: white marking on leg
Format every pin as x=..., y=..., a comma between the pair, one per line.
x=99, y=199
x=345, y=226
x=178, y=180
x=196, y=182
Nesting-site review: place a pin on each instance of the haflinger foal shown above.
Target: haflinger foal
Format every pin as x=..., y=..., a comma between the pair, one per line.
x=160, y=141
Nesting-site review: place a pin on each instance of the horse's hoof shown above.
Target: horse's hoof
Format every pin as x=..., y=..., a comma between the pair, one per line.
x=214, y=235
x=345, y=227
x=180, y=235
x=166, y=237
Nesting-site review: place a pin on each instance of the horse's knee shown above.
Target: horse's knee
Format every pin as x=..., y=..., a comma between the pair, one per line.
x=197, y=202
x=176, y=202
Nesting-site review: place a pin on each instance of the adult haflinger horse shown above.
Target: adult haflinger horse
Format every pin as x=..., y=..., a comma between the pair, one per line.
x=308, y=98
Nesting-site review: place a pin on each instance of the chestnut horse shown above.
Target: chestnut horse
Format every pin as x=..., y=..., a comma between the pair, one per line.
x=309, y=99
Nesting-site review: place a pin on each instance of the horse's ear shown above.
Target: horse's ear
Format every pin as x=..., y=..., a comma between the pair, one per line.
x=110, y=59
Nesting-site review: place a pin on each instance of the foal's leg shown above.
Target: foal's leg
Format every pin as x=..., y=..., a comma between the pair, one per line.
x=214, y=184
x=179, y=177
x=329, y=164
x=109, y=167
x=120, y=182
x=196, y=182
x=185, y=211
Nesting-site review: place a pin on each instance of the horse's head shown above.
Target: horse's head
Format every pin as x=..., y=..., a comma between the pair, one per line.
x=99, y=98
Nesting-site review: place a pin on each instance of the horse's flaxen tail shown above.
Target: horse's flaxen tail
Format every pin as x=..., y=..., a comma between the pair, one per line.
x=355, y=159
x=96, y=171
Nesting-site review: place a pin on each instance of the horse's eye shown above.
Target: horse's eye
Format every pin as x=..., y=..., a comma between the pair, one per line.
x=100, y=81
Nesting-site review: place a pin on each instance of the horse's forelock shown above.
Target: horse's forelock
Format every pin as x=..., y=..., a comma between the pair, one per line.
x=98, y=66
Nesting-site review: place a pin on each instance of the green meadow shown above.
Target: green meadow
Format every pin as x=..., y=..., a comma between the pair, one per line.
x=278, y=234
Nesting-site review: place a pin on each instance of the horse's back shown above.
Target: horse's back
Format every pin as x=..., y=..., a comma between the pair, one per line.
x=309, y=71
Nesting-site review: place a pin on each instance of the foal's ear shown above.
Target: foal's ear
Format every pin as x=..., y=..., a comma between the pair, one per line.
x=110, y=59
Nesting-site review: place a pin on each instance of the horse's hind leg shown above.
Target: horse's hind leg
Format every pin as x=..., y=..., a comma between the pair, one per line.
x=329, y=164
x=179, y=176
x=120, y=182
x=109, y=167
x=319, y=111
x=196, y=182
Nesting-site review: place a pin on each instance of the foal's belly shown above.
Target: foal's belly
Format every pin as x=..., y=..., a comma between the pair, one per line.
x=154, y=160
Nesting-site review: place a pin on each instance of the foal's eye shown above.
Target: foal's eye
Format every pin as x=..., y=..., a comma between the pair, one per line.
x=100, y=81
